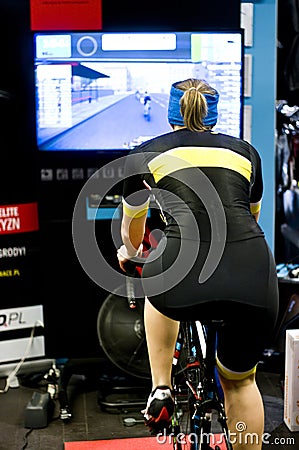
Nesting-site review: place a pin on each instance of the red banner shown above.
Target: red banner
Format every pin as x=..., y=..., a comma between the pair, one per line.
x=19, y=218
x=66, y=15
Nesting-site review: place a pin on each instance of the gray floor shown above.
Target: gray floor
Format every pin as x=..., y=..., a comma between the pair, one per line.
x=91, y=421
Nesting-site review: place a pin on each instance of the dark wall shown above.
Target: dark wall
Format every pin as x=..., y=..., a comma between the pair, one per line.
x=172, y=15
x=71, y=300
x=288, y=51
x=17, y=157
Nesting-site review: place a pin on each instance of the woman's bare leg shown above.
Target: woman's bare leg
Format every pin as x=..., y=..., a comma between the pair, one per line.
x=244, y=405
x=161, y=334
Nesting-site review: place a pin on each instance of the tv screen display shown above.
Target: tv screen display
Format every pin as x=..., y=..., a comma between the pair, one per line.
x=90, y=88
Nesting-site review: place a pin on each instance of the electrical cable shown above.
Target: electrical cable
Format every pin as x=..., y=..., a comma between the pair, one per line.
x=14, y=372
x=26, y=438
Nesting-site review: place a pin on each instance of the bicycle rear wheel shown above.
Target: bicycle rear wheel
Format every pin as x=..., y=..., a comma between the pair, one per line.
x=187, y=376
x=199, y=420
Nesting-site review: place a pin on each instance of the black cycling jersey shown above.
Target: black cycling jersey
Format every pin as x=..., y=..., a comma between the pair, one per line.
x=205, y=182
x=189, y=165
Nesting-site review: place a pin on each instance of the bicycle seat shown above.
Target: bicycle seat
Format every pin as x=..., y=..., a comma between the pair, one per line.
x=216, y=323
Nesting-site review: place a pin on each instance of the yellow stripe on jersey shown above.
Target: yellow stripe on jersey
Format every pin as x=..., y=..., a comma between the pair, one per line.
x=183, y=157
x=255, y=207
x=135, y=211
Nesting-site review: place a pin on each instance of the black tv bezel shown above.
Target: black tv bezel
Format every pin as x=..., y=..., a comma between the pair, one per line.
x=106, y=155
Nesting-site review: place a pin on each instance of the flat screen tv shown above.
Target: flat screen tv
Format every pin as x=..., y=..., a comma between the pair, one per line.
x=90, y=87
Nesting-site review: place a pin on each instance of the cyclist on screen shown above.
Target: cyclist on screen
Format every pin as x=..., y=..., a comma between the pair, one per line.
x=213, y=262
x=146, y=104
x=146, y=98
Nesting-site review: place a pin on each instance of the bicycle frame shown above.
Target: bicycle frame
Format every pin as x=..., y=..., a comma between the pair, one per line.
x=196, y=388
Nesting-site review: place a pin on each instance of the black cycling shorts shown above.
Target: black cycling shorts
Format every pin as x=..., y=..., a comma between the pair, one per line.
x=242, y=291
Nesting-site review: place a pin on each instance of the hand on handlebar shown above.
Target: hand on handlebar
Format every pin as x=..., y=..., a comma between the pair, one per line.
x=124, y=258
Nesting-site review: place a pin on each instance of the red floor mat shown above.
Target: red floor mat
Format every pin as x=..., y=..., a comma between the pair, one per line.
x=148, y=443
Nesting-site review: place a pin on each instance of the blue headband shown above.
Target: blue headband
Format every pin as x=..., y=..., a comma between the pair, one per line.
x=174, y=114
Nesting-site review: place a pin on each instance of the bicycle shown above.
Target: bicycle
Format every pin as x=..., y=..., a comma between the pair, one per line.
x=147, y=110
x=197, y=392
x=198, y=396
